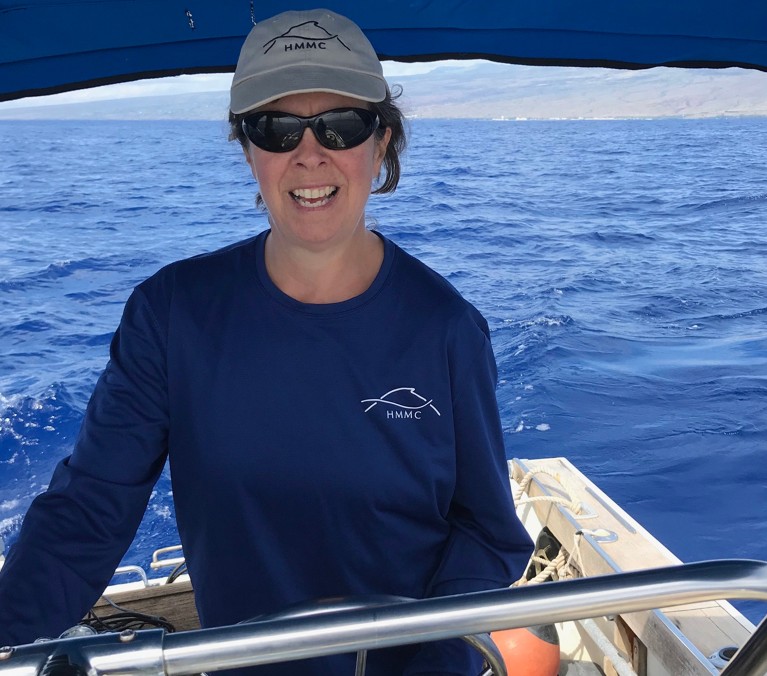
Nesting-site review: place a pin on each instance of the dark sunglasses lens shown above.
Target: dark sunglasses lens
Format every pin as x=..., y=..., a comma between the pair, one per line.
x=339, y=129
x=275, y=132
x=335, y=129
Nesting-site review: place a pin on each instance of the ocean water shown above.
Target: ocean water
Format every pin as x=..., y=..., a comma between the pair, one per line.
x=622, y=266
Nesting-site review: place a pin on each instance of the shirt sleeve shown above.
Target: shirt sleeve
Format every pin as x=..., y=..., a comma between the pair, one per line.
x=76, y=532
x=488, y=548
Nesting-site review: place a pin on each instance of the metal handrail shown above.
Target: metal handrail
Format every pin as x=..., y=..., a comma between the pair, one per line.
x=416, y=622
x=132, y=570
x=158, y=563
x=482, y=643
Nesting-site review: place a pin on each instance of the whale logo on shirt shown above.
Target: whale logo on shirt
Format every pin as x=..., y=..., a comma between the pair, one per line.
x=402, y=403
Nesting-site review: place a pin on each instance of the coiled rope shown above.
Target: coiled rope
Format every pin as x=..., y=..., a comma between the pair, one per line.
x=564, y=565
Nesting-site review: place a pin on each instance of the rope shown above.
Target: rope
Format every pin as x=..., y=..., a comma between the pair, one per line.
x=574, y=506
x=551, y=566
x=563, y=565
x=620, y=664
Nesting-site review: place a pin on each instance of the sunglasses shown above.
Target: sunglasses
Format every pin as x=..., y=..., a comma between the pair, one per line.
x=336, y=129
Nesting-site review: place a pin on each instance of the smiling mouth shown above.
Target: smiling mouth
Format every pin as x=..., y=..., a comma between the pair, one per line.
x=314, y=197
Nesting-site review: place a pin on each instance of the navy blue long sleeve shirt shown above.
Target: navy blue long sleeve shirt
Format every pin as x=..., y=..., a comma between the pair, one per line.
x=343, y=449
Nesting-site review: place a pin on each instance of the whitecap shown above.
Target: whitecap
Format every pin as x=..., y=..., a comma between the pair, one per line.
x=543, y=427
x=562, y=320
x=10, y=523
x=9, y=402
x=162, y=510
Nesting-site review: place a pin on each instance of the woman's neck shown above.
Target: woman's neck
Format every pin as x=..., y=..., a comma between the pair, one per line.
x=324, y=276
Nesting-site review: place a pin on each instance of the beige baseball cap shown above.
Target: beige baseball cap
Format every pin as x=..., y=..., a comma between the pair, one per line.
x=305, y=51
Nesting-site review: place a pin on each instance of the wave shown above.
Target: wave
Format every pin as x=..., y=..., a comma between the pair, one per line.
x=756, y=312
x=727, y=203
x=562, y=320
x=53, y=207
x=67, y=268
x=35, y=432
x=616, y=237
x=56, y=404
x=9, y=526
x=78, y=339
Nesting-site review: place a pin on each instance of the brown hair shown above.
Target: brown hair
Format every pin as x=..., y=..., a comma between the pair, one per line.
x=389, y=115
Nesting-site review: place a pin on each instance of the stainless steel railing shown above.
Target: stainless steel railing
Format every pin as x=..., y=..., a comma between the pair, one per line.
x=153, y=653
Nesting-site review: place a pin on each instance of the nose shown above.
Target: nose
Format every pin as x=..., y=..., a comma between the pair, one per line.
x=309, y=152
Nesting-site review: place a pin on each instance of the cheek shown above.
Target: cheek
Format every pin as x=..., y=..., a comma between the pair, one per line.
x=250, y=159
x=263, y=166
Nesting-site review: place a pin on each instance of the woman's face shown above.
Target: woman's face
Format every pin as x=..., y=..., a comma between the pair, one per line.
x=316, y=197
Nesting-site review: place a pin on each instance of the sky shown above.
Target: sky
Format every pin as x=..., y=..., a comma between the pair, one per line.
x=187, y=84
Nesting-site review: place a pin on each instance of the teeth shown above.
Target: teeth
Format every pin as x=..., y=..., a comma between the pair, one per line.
x=314, y=193
x=319, y=196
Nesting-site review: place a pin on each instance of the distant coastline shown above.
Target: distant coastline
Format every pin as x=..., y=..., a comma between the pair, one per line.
x=484, y=90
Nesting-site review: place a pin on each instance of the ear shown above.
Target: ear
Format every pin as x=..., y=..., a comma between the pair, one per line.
x=380, y=150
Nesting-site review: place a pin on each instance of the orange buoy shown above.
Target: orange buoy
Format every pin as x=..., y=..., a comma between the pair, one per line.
x=529, y=651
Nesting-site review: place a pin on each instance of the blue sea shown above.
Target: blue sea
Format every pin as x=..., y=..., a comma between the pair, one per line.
x=622, y=267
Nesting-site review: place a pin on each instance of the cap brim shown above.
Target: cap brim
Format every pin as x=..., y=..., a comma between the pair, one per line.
x=257, y=90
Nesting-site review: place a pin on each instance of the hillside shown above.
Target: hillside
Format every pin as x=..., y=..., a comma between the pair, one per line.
x=486, y=90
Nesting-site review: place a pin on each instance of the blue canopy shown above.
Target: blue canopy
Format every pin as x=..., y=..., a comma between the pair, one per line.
x=49, y=46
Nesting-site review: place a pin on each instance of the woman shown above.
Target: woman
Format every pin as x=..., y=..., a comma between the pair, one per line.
x=326, y=401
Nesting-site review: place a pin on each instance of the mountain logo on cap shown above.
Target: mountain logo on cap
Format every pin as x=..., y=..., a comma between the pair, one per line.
x=306, y=35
